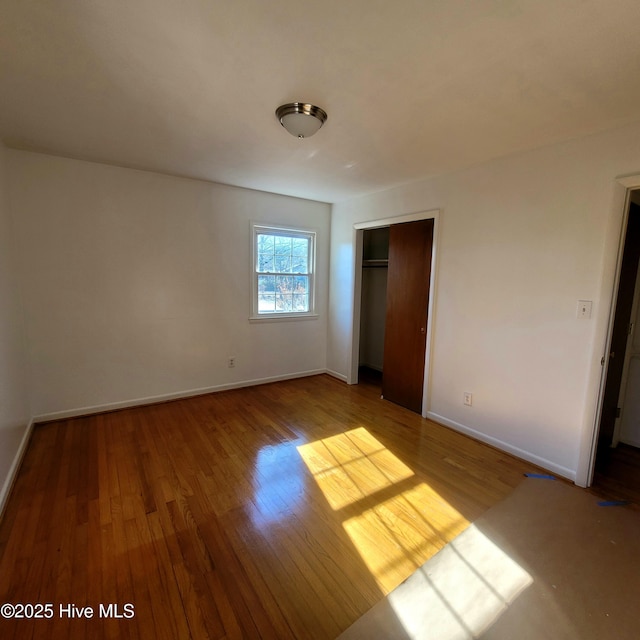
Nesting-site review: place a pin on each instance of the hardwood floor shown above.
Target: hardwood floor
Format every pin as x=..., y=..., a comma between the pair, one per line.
x=617, y=474
x=280, y=511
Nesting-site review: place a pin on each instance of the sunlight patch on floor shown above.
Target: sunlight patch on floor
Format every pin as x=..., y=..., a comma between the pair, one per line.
x=351, y=466
x=394, y=521
x=460, y=592
x=397, y=536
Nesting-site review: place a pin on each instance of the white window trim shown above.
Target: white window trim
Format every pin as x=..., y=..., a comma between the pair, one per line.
x=257, y=228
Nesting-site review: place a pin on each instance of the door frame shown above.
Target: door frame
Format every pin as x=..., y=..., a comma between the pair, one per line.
x=358, y=233
x=622, y=193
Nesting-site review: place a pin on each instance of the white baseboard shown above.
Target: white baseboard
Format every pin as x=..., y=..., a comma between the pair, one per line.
x=15, y=467
x=559, y=470
x=137, y=402
x=631, y=442
x=335, y=374
x=456, y=426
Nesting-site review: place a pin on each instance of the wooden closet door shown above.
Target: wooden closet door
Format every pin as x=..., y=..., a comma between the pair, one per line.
x=405, y=337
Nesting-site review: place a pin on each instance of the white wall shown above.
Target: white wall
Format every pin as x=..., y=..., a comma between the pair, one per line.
x=521, y=240
x=14, y=400
x=137, y=285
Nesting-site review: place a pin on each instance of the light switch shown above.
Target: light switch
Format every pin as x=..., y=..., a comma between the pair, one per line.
x=584, y=309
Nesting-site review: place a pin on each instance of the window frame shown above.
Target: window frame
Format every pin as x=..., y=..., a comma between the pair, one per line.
x=289, y=232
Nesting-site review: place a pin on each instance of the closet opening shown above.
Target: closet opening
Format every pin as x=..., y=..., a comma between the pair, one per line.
x=373, y=306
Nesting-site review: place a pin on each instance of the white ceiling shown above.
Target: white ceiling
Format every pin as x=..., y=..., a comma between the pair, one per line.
x=412, y=87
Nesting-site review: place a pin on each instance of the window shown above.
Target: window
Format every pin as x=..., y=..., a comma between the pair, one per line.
x=283, y=269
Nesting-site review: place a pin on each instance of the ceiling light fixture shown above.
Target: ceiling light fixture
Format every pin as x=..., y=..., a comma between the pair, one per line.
x=300, y=119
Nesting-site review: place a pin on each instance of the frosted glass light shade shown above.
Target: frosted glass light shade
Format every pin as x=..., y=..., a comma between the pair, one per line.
x=301, y=119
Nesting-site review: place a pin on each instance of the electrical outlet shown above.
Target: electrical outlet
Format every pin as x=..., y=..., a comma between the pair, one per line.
x=231, y=362
x=467, y=398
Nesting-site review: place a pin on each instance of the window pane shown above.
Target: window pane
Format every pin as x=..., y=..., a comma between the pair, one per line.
x=282, y=264
x=300, y=247
x=266, y=294
x=298, y=264
x=266, y=302
x=265, y=253
x=301, y=284
x=266, y=284
x=300, y=302
x=266, y=262
x=283, y=303
x=284, y=284
x=282, y=245
x=265, y=243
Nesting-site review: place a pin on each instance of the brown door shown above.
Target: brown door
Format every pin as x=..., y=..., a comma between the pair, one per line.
x=406, y=318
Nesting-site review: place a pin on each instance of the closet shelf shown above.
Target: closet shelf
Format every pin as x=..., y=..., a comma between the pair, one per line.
x=375, y=263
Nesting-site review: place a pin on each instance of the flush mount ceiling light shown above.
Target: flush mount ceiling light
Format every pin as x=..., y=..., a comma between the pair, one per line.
x=300, y=119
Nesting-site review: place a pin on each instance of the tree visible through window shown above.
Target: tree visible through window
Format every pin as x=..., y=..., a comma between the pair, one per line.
x=283, y=269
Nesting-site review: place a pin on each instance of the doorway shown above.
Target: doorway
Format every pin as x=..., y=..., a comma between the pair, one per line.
x=370, y=320
x=617, y=462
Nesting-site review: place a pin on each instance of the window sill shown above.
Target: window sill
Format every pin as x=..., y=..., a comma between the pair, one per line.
x=284, y=317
